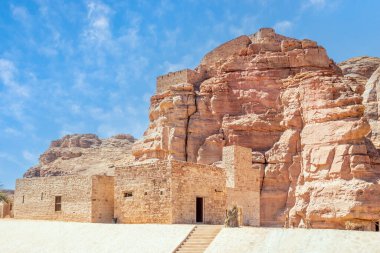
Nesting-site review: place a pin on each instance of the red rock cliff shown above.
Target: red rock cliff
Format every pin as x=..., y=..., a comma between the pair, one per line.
x=303, y=119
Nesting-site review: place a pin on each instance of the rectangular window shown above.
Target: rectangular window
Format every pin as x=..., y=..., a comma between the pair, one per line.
x=128, y=194
x=23, y=199
x=58, y=203
x=42, y=196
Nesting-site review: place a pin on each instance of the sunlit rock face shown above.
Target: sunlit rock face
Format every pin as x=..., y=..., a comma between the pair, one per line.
x=294, y=107
x=366, y=71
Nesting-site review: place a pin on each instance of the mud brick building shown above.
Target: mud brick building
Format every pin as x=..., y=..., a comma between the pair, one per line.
x=163, y=191
x=66, y=198
x=170, y=192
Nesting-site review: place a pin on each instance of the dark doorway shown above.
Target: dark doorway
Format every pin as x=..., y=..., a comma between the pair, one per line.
x=377, y=228
x=199, y=210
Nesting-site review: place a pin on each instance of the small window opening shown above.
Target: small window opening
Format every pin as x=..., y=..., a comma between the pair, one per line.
x=23, y=199
x=161, y=193
x=145, y=193
x=128, y=194
x=42, y=196
x=58, y=203
x=377, y=226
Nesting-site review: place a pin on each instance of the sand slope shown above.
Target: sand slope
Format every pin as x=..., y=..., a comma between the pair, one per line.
x=21, y=236
x=273, y=240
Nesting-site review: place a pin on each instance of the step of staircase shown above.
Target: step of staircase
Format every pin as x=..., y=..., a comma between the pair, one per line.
x=199, y=239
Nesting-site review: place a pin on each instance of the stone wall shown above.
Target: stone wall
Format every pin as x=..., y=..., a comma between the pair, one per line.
x=5, y=210
x=149, y=184
x=102, y=199
x=182, y=76
x=243, y=183
x=166, y=192
x=35, y=198
x=189, y=181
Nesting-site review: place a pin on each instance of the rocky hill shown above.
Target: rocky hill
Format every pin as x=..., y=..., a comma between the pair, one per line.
x=84, y=154
x=313, y=127
x=302, y=115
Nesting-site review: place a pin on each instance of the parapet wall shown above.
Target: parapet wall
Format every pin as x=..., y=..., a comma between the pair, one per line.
x=182, y=76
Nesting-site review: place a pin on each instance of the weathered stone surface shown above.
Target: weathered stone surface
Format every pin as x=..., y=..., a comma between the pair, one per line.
x=83, y=198
x=165, y=191
x=83, y=154
x=284, y=98
x=371, y=101
x=360, y=69
x=312, y=127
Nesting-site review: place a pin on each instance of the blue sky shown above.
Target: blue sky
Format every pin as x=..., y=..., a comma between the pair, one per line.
x=86, y=66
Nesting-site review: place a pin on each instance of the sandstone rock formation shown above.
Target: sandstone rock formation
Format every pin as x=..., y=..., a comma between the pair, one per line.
x=366, y=71
x=313, y=128
x=84, y=154
x=371, y=101
x=291, y=104
x=360, y=67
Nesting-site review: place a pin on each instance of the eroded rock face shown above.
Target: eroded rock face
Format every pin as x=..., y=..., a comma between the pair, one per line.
x=291, y=104
x=83, y=154
x=366, y=71
x=361, y=69
x=371, y=100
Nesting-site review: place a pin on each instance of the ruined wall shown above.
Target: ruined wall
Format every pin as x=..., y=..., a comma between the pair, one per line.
x=35, y=198
x=243, y=183
x=150, y=185
x=5, y=210
x=183, y=76
x=192, y=180
x=102, y=199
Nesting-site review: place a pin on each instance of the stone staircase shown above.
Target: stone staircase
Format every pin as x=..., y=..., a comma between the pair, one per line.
x=199, y=239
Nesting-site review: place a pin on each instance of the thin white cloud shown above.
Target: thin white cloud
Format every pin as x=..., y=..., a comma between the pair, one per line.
x=98, y=29
x=28, y=156
x=163, y=8
x=243, y=25
x=12, y=131
x=8, y=73
x=319, y=4
x=10, y=158
x=20, y=14
x=283, y=26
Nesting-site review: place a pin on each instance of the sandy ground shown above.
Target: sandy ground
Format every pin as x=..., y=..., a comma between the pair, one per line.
x=24, y=236
x=273, y=240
